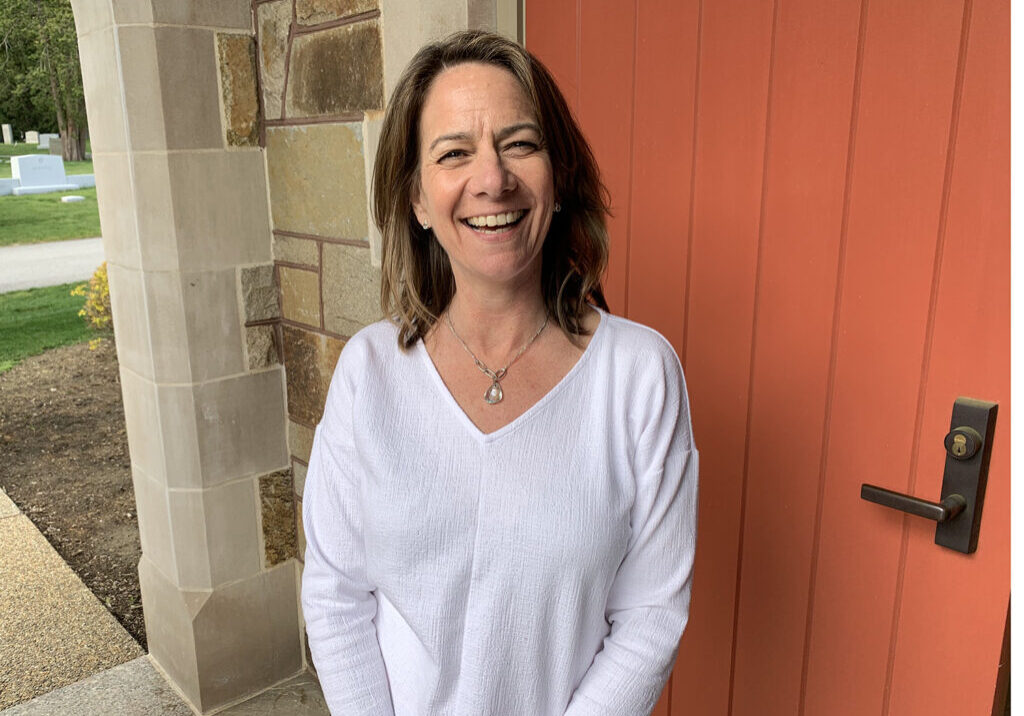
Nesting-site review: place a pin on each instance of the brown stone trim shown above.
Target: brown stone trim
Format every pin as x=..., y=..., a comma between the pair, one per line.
x=261, y=139
x=288, y=61
x=358, y=243
x=300, y=267
x=313, y=329
x=299, y=459
x=262, y=322
x=326, y=119
x=320, y=283
x=331, y=24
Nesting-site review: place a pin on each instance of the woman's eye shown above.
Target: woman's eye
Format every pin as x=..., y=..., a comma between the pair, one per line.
x=521, y=146
x=452, y=154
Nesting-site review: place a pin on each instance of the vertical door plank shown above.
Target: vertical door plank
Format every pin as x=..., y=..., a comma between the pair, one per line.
x=902, y=131
x=666, y=67
x=607, y=34
x=551, y=35
x=809, y=129
x=970, y=355
x=733, y=85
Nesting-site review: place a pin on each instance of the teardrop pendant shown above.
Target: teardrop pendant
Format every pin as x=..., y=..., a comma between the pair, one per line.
x=493, y=394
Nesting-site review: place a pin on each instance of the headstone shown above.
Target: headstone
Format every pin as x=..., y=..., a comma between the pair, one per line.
x=8, y=134
x=55, y=146
x=31, y=137
x=39, y=174
x=44, y=140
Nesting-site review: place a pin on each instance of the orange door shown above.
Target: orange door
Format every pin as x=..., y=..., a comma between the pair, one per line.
x=811, y=201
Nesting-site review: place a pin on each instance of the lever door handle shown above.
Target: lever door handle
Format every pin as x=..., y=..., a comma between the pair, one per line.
x=947, y=509
x=968, y=453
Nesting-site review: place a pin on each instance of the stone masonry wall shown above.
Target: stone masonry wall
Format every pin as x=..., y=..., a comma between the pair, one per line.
x=319, y=70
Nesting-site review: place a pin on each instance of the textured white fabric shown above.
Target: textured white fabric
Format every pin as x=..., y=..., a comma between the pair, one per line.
x=544, y=568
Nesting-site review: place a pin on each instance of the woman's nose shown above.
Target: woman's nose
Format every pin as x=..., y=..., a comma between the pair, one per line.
x=491, y=177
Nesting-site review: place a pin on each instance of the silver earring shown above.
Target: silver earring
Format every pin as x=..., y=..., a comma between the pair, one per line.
x=558, y=207
x=425, y=225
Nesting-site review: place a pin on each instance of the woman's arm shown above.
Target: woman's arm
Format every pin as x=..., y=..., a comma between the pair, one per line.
x=648, y=604
x=337, y=601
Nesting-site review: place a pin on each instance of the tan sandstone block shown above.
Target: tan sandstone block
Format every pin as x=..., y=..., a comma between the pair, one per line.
x=313, y=12
x=169, y=634
x=300, y=440
x=215, y=534
x=177, y=327
x=317, y=180
x=297, y=251
x=91, y=16
x=299, y=477
x=278, y=513
x=309, y=360
x=336, y=71
x=300, y=295
x=154, y=521
x=170, y=86
x=273, y=20
x=236, y=55
x=206, y=434
x=201, y=210
x=117, y=216
x=233, y=14
x=351, y=289
x=221, y=645
x=101, y=81
x=247, y=635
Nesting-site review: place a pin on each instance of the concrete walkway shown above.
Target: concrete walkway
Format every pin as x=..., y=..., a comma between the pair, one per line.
x=62, y=652
x=48, y=264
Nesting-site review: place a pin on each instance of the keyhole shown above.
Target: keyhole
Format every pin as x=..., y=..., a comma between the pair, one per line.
x=959, y=445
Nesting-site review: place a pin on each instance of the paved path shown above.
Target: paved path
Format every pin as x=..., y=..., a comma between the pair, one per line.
x=48, y=264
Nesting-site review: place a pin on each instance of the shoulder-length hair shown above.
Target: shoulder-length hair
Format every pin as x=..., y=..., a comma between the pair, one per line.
x=417, y=283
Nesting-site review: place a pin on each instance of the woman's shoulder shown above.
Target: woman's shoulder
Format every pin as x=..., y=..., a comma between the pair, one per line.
x=626, y=337
x=374, y=344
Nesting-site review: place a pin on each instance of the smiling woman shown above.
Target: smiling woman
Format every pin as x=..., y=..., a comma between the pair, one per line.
x=511, y=529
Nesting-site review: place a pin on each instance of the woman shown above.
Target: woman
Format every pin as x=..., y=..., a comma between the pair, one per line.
x=500, y=507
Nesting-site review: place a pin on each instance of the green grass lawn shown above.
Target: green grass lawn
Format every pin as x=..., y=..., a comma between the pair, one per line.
x=38, y=319
x=10, y=150
x=69, y=168
x=35, y=218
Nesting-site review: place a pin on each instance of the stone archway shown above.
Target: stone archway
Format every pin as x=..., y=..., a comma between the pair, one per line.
x=232, y=180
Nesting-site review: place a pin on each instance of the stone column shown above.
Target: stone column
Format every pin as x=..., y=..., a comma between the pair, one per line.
x=186, y=230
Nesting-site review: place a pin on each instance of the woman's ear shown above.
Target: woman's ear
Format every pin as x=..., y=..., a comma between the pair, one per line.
x=417, y=206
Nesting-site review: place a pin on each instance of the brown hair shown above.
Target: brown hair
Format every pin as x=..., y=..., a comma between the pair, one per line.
x=417, y=282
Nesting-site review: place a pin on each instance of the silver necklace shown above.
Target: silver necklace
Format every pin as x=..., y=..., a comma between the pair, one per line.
x=494, y=394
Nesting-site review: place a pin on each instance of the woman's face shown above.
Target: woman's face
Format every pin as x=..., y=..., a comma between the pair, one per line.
x=486, y=186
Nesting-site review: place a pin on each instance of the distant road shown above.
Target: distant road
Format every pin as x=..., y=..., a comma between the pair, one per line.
x=48, y=264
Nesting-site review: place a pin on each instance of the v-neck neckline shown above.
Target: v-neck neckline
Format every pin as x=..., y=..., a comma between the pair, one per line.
x=537, y=406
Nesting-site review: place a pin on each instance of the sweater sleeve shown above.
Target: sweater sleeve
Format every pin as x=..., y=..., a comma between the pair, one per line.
x=337, y=600
x=648, y=603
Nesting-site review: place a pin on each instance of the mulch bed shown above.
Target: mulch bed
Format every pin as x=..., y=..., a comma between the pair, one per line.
x=64, y=462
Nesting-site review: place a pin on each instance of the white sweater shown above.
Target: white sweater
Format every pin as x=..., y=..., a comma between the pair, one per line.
x=544, y=568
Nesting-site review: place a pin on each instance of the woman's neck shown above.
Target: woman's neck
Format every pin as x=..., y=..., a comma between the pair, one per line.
x=495, y=324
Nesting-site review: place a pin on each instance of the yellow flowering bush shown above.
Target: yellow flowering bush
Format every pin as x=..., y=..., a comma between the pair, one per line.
x=96, y=309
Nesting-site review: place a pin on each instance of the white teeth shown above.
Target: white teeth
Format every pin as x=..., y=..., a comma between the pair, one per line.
x=492, y=220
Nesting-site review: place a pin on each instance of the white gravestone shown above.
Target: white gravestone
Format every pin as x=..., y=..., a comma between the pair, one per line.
x=44, y=140
x=8, y=134
x=39, y=174
x=31, y=137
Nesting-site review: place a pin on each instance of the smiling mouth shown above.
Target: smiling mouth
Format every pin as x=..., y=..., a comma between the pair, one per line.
x=495, y=223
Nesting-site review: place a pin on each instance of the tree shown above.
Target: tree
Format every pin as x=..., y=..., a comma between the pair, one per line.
x=40, y=75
